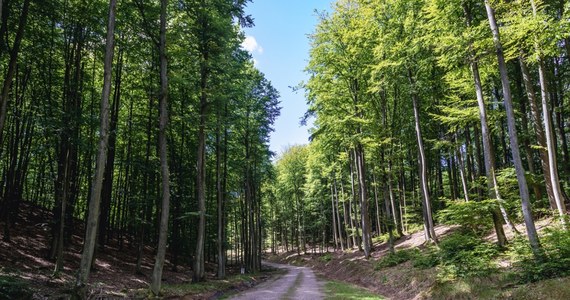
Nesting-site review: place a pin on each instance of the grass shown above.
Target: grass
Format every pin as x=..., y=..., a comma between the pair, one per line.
x=501, y=286
x=336, y=290
x=293, y=288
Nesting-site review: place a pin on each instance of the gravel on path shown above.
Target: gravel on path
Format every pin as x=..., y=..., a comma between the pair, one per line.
x=298, y=283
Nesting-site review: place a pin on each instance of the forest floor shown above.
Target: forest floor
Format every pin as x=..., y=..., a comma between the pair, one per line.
x=24, y=267
x=404, y=281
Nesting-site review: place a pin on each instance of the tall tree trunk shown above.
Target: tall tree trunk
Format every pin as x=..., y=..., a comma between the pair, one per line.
x=378, y=223
x=539, y=129
x=198, y=267
x=422, y=167
x=364, y=216
x=347, y=219
x=163, y=151
x=338, y=220
x=393, y=203
x=389, y=217
x=489, y=159
x=221, y=193
x=333, y=215
x=59, y=249
x=107, y=189
x=12, y=66
x=461, y=166
x=550, y=143
x=526, y=138
x=95, y=197
x=352, y=203
x=548, y=128
x=523, y=188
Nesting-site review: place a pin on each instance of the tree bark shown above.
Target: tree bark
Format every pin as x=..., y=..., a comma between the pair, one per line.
x=4, y=97
x=548, y=129
x=378, y=223
x=539, y=130
x=107, y=189
x=525, y=129
x=333, y=215
x=364, y=216
x=523, y=188
x=489, y=159
x=338, y=220
x=430, y=230
x=95, y=197
x=461, y=166
x=156, y=279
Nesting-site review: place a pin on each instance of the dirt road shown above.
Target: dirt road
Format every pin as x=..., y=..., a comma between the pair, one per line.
x=298, y=283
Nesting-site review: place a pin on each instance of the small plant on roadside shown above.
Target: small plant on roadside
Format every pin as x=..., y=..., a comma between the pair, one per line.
x=326, y=258
x=341, y=290
x=429, y=258
x=396, y=258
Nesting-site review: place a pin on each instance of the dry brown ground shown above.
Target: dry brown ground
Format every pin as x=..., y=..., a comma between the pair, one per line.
x=114, y=275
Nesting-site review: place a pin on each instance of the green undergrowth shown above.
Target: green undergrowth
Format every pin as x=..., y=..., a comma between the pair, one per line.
x=555, y=259
x=326, y=257
x=460, y=255
x=467, y=266
x=336, y=290
x=14, y=288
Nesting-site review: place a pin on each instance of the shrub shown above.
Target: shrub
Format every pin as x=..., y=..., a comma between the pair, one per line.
x=393, y=259
x=554, y=263
x=326, y=258
x=428, y=259
x=473, y=216
x=13, y=288
x=465, y=255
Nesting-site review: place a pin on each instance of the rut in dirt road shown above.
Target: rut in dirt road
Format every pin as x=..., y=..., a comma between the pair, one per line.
x=298, y=283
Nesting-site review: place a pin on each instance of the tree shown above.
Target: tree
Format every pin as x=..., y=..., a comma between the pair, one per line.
x=162, y=144
x=12, y=66
x=523, y=187
x=95, y=196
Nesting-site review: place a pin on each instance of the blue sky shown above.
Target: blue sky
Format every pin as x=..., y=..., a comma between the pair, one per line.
x=280, y=48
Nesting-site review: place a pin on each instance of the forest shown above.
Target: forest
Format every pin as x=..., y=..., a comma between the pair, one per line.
x=434, y=112
x=143, y=128
x=137, y=120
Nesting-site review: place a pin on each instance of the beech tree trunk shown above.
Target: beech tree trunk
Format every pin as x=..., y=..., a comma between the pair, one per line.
x=523, y=187
x=364, y=216
x=539, y=130
x=430, y=230
x=163, y=151
x=333, y=215
x=12, y=66
x=548, y=128
x=489, y=159
x=461, y=166
x=338, y=220
x=95, y=196
x=198, y=269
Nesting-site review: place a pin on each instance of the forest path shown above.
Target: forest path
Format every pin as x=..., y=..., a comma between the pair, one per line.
x=298, y=283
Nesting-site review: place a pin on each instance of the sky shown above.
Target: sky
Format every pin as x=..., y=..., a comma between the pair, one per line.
x=280, y=48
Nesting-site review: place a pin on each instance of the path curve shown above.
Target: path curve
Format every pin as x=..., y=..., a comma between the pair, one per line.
x=298, y=283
